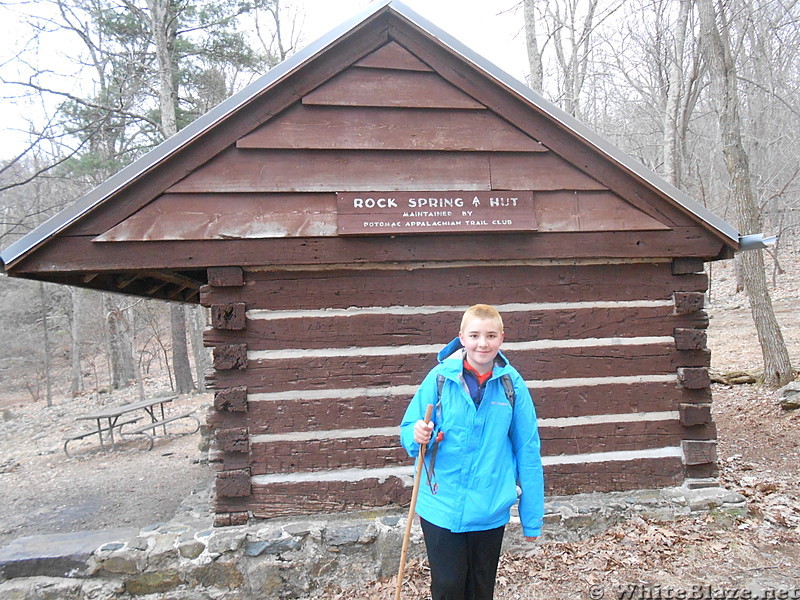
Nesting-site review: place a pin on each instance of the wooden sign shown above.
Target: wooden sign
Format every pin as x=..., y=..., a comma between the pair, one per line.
x=397, y=213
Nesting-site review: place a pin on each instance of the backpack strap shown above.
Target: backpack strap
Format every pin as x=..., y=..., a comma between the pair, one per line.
x=508, y=386
x=439, y=386
x=440, y=379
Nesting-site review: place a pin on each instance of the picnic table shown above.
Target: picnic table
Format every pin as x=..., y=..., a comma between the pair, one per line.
x=115, y=417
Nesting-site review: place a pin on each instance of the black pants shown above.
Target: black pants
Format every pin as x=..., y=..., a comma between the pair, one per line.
x=463, y=565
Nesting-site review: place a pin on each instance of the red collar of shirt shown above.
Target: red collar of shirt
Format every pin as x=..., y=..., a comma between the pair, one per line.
x=481, y=378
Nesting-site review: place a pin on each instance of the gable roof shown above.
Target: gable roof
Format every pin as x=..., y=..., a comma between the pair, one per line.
x=220, y=114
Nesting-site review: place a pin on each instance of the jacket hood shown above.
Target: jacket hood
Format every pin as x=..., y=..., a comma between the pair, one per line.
x=453, y=353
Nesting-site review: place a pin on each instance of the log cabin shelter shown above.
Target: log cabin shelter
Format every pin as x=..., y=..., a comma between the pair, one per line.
x=338, y=215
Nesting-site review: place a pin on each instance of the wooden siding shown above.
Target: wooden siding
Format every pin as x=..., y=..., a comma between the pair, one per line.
x=318, y=410
x=590, y=211
x=317, y=495
x=236, y=125
x=334, y=128
x=380, y=367
x=275, y=453
x=287, y=117
x=393, y=56
x=205, y=216
x=226, y=216
x=66, y=256
x=258, y=171
x=327, y=387
x=272, y=330
x=238, y=170
x=376, y=87
x=387, y=123
x=309, y=290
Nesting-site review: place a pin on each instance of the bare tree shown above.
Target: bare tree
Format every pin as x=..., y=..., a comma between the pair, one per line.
x=123, y=371
x=673, y=121
x=165, y=18
x=569, y=27
x=48, y=376
x=181, y=368
x=198, y=317
x=280, y=38
x=715, y=29
x=76, y=383
x=535, y=61
x=769, y=39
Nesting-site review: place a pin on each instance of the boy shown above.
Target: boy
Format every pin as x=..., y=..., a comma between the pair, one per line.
x=488, y=444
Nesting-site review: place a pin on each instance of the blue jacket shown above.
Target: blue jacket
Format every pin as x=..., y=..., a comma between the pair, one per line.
x=485, y=454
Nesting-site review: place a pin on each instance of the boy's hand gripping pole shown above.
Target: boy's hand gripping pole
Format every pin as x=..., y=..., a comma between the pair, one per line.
x=412, y=509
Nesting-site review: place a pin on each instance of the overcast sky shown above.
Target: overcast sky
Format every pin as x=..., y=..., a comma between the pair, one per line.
x=492, y=28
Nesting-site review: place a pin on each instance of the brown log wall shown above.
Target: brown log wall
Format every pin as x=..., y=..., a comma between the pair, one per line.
x=315, y=373
x=383, y=451
x=308, y=290
x=336, y=496
x=357, y=374
x=386, y=330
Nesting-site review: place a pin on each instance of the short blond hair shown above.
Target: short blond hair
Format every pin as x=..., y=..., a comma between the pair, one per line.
x=481, y=311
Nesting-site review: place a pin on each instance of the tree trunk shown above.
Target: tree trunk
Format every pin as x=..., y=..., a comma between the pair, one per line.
x=135, y=358
x=202, y=361
x=46, y=343
x=672, y=116
x=532, y=44
x=162, y=24
x=716, y=44
x=76, y=379
x=180, y=352
x=120, y=358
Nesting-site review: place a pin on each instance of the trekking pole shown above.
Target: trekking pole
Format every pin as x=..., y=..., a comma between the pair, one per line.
x=412, y=509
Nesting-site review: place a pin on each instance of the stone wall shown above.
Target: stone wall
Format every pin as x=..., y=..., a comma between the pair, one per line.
x=293, y=558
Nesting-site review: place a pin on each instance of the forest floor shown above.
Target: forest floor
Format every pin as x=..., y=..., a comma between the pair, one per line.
x=45, y=492
x=758, y=446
